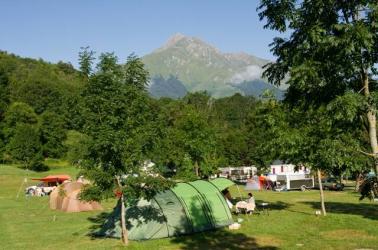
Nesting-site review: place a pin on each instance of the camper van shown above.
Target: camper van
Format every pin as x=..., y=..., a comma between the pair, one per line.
x=238, y=174
x=290, y=177
x=294, y=181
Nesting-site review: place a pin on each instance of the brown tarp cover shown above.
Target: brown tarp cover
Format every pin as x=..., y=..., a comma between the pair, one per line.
x=66, y=198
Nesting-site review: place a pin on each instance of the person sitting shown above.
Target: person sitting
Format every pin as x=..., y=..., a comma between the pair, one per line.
x=227, y=197
x=249, y=205
x=251, y=202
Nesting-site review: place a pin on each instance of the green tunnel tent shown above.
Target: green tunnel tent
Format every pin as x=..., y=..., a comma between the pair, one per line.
x=184, y=209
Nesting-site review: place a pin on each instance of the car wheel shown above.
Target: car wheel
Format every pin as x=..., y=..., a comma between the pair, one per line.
x=303, y=188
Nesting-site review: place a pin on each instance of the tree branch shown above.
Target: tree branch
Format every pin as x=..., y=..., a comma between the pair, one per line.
x=368, y=154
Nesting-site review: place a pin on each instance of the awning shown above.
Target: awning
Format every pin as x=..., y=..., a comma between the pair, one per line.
x=54, y=178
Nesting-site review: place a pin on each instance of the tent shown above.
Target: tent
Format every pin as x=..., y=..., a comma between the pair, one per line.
x=66, y=198
x=184, y=209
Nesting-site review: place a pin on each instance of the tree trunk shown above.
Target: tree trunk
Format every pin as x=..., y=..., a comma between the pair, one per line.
x=357, y=186
x=371, y=115
x=196, y=168
x=321, y=193
x=125, y=237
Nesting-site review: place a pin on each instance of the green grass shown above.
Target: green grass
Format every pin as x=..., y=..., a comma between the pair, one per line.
x=28, y=223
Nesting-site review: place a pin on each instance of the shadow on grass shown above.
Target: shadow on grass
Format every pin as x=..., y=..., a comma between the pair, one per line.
x=97, y=222
x=219, y=239
x=369, y=211
x=279, y=205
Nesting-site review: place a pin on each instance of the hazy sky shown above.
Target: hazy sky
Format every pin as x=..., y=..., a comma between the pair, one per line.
x=55, y=30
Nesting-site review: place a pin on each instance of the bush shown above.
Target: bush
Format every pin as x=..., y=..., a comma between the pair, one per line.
x=38, y=166
x=25, y=146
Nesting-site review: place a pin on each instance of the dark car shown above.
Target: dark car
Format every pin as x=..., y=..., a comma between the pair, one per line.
x=330, y=183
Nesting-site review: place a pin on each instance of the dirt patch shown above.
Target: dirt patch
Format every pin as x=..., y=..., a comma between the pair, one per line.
x=265, y=240
x=344, y=234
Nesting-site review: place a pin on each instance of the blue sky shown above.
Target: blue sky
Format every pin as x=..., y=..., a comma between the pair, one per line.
x=55, y=30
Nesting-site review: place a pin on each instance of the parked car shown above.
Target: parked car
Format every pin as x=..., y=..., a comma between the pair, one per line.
x=48, y=184
x=330, y=183
x=41, y=189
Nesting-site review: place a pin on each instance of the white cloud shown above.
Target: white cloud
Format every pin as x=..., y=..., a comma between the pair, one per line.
x=250, y=73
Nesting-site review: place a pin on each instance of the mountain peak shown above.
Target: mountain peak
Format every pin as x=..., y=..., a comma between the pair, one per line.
x=172, y=41
x=188, y=41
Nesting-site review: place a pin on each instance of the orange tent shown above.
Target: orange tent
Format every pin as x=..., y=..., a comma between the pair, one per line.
x=66, y=198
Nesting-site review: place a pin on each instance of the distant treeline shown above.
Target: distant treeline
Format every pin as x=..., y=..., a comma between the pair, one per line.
x=41, y=116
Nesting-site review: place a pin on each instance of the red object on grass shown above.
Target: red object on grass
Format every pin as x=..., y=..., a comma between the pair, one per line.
x=60, y=178
x=118, y=193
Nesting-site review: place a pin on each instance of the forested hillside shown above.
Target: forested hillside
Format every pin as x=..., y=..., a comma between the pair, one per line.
x=41, y=115
x=55, y=111
x=38, y=106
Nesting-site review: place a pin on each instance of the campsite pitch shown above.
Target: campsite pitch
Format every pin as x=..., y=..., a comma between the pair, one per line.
x=28, y=223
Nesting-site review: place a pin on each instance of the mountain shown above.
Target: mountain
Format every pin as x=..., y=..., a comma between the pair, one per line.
x=170, y=87
x=200, y=66
x=258, y=87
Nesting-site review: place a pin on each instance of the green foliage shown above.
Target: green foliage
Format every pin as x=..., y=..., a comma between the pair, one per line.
x=76, y=145
x=86, y=58
x=25, y=146
x=40, y=94
x=332, y=45
x=331, y=57
x=134, y=73
x=4, y=92
x=188, y=142
x=52, y=134
x=37, y=165
x=118, y=117
x=17, y=114
x=314, y=138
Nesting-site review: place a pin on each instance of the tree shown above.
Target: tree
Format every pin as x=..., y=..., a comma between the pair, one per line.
x=4, y=102
x=197, y=139
x=312, y=138
x=18, y=113
x=76, y=144
x=52, y=134
x=332, y=49
x=4, y=92
x=135, y=74
x=86, y=57
x=118, y=123
x=25, y=146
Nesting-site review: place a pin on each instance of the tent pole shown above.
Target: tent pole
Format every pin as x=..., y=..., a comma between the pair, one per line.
x=240, y=196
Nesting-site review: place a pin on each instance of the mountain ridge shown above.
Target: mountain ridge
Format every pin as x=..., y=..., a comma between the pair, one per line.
x=200, y=66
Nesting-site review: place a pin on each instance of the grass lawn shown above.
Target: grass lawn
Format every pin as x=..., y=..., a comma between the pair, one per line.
x=28, y=223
